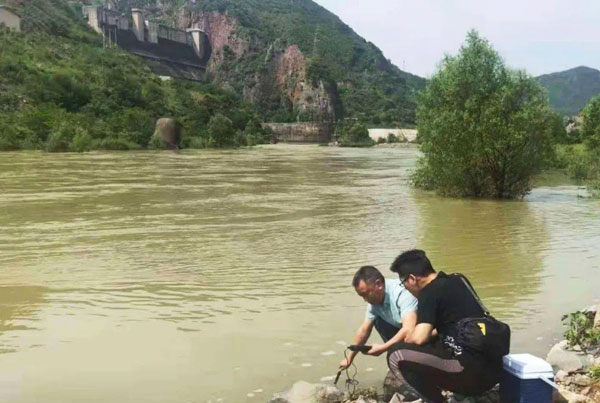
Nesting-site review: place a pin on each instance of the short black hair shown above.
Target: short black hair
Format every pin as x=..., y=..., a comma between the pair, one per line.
x=368, y=274
x=413, y=262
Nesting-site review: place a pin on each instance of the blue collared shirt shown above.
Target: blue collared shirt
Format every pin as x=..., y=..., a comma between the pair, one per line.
x=398, y=301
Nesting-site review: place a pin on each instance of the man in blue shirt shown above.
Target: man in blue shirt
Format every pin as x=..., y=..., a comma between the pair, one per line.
x=391, y=309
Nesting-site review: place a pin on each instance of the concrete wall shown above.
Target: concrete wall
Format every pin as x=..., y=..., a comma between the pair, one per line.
x=10, y=19
x=308, y=132
x=173, y=34
x=409, y=134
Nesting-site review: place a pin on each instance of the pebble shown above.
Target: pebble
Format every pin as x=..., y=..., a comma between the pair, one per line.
x=306, y=364
x=250, y=394
x=581, y=380
x=330, y=352
x=327, y=378
x=560, y=376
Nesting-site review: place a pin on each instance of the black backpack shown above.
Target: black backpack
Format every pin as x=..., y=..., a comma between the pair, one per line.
x=485, y=335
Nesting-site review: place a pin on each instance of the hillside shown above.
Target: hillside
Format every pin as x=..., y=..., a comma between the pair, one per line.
x=60, y=90
x=294, y=60
x=569, y=91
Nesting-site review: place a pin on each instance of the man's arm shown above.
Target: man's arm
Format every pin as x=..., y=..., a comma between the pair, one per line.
x=408, y=324
x=360, y=337
x=421, y=334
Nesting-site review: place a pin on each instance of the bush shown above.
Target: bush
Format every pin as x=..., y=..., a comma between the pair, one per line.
x=60, y=138
x=590, y=128
x=356, y=136
x=485, y=130
x=221, y=132
x=114, y=144
x=82, y=141
x=200, y=142
x=580, y=329
x=391, y=138
x=595, y=373
x=381, y=140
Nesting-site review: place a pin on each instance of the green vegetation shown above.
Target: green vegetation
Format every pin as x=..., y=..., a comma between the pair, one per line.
x=581, y=161
x=485, y=130
x=366, y=85
x=580, y=329
x=61, y=91
x=354, y=135
x=595, y=373
x=569, y=91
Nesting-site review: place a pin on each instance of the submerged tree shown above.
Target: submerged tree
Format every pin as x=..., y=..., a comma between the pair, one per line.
x=485, y=130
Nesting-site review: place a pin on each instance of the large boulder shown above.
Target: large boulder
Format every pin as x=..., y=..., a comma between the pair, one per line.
x=304, y=392
x=168, y=132
x=563, y=359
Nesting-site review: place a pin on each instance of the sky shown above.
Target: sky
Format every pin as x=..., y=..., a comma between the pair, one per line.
x=540, y=36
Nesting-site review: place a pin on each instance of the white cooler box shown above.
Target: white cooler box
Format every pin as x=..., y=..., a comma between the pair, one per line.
x=522, y=379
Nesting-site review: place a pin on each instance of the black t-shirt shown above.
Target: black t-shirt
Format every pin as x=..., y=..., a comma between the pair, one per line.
x=445, y=301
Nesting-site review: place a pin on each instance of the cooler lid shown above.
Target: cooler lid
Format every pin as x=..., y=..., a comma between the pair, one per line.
x=527, y=366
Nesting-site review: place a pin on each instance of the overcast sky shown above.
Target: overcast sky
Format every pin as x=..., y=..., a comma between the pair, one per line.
x=541, y=36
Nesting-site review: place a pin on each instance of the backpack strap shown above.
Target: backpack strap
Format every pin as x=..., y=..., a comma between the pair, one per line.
x=474, y=294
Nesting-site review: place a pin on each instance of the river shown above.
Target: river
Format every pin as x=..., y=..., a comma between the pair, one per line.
x=224, y=276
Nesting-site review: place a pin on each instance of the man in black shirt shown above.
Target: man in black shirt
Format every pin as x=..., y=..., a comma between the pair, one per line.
x=430, y=360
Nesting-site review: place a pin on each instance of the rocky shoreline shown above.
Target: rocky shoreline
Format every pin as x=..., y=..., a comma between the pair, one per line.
x=575, y=361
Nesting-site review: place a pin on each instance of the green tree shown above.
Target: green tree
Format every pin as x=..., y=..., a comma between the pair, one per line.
x=221, y=131
x=485, y=130
x=590, y=128
x=356, y=135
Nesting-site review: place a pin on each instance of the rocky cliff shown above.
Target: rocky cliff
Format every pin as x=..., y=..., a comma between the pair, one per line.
x=294, y=60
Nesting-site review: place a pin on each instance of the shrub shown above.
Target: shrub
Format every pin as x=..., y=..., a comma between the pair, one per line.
x=200, y=142
x=381, y=140
x=221, y=132
x=356, y=136
x=82, y=141
x=392, y=138
x=60, y=137
x=485, y=130
x=580, y=329
x=590, y=128
x=595, y=373
x=114, y=144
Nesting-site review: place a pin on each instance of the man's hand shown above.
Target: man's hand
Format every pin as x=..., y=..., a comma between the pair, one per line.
x=345, y=363
x=377, y=349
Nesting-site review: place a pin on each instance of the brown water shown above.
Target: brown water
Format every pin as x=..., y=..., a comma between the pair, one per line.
x=224, y=276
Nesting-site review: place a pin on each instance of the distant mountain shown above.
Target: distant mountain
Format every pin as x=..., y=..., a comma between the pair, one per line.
x=569, y=91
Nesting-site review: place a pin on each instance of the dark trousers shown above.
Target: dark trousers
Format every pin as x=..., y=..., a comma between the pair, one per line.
x=385, y=330
x=431, y=368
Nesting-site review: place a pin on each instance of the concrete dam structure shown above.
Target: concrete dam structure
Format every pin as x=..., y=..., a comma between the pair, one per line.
x=170, y=51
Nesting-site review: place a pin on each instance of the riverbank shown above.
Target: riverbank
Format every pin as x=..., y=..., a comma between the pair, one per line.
x=575, y=361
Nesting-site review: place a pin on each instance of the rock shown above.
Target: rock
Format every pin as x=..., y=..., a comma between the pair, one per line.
x=395, y=385
x=560, y=376
x=581, y=380
x=168, y=131
x=566, y=396
x=562, y=359
x=304, y=392
x=576, y=347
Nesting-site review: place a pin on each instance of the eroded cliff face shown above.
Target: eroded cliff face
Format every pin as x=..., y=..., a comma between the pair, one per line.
x=280, y=79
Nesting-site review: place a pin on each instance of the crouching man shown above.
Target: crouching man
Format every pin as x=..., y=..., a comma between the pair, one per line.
x=431, y=363
x=391, y=309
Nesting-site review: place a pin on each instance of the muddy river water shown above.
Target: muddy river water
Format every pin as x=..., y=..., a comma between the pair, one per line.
x=224, y=276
